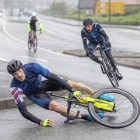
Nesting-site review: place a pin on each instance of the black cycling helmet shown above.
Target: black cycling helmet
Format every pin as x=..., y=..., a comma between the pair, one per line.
x=14, y=65
x=87, y=21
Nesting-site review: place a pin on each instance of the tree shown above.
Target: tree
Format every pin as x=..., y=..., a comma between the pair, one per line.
x=58, y=8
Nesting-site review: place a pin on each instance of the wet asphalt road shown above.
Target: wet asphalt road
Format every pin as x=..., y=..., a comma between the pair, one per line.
x=14, y=126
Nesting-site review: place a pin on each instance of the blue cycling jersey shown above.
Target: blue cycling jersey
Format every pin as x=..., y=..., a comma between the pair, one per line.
x=34, y=75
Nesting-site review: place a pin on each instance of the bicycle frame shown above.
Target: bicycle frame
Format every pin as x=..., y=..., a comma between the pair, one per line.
x=97, y=102
x=108, y=106
x=109, y=70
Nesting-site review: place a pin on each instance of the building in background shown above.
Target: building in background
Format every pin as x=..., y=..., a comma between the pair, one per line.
x=91, y=6
x=88, y=5
x=127, y=3
x=24, y=6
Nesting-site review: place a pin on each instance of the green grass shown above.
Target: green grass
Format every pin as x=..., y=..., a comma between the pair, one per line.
x=131, y=16
x=120, y=20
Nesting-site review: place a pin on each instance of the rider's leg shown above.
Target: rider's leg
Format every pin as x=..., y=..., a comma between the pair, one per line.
x=45, y=101
x=91, y=47
x=30, y=35
x=54, y=106
x=79, y=86
x=110, y=57
x=34, y=34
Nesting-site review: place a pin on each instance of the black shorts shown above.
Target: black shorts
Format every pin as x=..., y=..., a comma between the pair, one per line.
x=33, y=27
x=46, y=85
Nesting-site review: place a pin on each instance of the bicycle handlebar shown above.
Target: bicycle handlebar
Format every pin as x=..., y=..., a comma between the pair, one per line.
x=69, y=106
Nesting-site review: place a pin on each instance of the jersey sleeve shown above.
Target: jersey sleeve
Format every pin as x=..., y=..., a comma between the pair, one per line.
x=98, y=27
x=29, y=19
x=38, y=19
x=38, y=69
x=83, y=34
x=17, y=94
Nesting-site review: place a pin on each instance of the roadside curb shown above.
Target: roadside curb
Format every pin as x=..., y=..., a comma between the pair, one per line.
x=128, y=64
x=124, y=63
x=81, y=54
x=7, y=103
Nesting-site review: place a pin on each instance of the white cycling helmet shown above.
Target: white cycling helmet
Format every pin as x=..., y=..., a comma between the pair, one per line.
x=34, y=14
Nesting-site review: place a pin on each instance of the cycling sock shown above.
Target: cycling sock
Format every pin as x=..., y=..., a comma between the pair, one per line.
x=85, y=117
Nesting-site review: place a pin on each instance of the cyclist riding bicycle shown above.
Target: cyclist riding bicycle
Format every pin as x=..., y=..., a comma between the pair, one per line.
x=33, y=80
x=31, y=24
x=96, y=35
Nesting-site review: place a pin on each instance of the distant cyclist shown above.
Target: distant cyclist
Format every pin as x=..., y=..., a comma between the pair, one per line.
x=31, y=24
x=33, y=80
x=96, y=35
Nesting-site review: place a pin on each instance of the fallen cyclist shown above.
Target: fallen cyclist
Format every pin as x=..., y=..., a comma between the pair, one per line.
x=33, y=80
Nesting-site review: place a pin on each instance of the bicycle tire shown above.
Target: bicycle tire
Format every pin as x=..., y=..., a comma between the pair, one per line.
x=111, y=75
x=113, y=79
x=135, y=109
x=35, y=44
x=29, y=46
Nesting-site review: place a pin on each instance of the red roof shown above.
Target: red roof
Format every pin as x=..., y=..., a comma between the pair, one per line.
x=126, y=2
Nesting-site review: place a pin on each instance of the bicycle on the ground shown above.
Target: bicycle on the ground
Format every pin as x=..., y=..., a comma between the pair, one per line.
x=122, y=112
x=109, y=70
x=33, y=43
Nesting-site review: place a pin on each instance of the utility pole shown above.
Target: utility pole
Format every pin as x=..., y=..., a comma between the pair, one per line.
x=63, y=8
x=79, y=11
x=54, y=7
x=109, y=11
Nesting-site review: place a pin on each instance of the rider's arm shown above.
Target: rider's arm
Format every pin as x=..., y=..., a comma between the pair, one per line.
x=28, y=23
x=17, y=94
x=84, y=38
x=39, y=22
x=102, y=32
x=38, y=69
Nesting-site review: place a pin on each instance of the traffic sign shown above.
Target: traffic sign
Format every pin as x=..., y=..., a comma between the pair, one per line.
x=115, y=8
x=19, y=15
x=112, y=11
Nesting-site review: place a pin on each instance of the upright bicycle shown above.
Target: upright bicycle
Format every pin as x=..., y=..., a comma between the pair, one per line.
x=122, y=112
x=109, y=70
x=33, y=43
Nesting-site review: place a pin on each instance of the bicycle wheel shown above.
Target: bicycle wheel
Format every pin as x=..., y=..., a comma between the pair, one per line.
x=111, y=74
x=29, y=46
x=35, y=44
x=126, y=110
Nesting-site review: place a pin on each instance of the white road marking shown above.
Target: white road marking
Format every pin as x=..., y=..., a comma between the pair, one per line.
x=60, y=35
x=11, y=35
x=5, y=60
x=38, y=47
x=55, y=52
x=37, y=59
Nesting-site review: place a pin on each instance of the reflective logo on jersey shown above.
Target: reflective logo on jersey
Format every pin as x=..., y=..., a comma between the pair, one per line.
x=17, y=94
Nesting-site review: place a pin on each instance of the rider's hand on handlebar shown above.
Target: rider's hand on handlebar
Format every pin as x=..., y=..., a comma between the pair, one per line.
x=29, y=29
x=48, y=122
x=41, y=30
x=89, y=51
x=78, y=95
x=108, y=44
